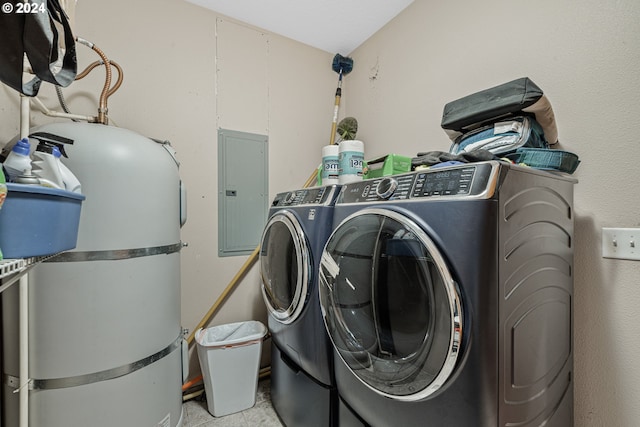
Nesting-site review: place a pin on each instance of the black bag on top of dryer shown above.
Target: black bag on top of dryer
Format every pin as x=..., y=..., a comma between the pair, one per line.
x=513, y=120
x=501, y=119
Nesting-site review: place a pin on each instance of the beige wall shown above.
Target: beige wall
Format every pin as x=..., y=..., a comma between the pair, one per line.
x=188, y=72
x=585, y=56
x=177, y=58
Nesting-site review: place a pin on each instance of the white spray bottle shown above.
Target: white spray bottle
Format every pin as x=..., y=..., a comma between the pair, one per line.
x=69, y=181
x=46, y=165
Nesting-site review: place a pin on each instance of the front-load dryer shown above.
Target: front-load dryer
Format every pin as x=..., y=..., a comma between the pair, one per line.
x=302, y=383
x=447, y=294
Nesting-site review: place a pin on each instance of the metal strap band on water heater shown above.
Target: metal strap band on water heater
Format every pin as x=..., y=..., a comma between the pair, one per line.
x=117, y=254
x=55, y=383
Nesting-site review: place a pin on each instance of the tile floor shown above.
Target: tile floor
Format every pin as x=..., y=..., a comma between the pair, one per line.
x=261, y=414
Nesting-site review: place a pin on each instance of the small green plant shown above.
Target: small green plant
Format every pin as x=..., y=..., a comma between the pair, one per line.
x=347, y=129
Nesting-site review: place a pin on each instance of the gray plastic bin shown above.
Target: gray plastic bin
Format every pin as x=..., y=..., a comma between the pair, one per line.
x=230, y=360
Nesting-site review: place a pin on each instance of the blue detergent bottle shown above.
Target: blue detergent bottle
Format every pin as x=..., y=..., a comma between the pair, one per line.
x=18, y=162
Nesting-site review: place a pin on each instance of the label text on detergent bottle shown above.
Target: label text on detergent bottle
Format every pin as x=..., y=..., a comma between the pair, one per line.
x=351, y=163
x=330, y=167
x=356, y=163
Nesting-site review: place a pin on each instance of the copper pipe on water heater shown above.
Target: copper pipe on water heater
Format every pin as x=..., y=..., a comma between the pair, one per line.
x=102, y=108
x=95, y=64
x=107, y=90
x=119, y=81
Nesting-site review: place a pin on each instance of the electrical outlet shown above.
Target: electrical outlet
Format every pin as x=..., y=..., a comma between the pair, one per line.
x=621, y=243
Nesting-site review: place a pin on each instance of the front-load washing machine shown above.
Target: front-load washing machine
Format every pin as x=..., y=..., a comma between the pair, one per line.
x=302, y=383
x=447, y=294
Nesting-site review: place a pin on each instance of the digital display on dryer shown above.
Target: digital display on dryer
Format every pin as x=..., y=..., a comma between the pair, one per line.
x=448, y=182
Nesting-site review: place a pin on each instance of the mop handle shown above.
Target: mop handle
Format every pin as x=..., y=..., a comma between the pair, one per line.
x=336, y=107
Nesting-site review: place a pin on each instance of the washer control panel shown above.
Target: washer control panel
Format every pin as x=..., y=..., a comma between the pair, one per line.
x=469, y=180
x=306, y=196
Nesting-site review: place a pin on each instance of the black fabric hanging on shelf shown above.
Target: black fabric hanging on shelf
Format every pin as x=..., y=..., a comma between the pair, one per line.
x=42, y=32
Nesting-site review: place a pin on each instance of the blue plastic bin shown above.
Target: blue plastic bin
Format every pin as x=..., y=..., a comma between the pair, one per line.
x=38, y=221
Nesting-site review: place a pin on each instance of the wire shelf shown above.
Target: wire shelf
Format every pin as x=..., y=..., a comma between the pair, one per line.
x=9, y=267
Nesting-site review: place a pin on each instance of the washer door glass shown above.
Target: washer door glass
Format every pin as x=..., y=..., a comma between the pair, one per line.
x=284, y=266
x=390, y=304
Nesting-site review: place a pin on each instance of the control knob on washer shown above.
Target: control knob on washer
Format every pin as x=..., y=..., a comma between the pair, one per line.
x=386, y=187
x=290, y=197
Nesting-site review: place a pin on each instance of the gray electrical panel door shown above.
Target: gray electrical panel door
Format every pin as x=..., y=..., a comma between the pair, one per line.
x=242, y=191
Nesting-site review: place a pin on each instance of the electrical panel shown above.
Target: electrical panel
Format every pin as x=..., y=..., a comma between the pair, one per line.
x=242, y=191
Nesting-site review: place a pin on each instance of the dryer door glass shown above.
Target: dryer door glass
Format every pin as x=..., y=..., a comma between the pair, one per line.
x=390, y=304
x=284, y=267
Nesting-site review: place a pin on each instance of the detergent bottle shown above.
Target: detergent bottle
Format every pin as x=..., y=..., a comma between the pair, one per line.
x=46, y=165
x=18, y=161
x=48, y=161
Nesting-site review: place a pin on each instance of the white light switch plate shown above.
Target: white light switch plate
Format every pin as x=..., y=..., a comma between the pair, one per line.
x=621, y=243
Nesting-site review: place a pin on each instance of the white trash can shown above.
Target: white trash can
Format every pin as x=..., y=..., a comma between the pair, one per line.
x=229, y=357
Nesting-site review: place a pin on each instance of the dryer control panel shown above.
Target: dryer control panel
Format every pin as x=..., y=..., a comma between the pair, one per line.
x=446, y=182
x=469, y=180
x=306, y=196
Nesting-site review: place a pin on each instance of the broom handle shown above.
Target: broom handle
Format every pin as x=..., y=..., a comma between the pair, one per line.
x=336, y=108
x=223, y=296
x=236, y=279
x=334, y=124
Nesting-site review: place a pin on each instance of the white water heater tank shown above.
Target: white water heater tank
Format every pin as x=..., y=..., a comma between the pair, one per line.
x=104, y=319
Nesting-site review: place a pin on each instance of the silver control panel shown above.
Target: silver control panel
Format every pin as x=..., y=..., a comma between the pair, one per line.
x=469, y=180
x=306, y=196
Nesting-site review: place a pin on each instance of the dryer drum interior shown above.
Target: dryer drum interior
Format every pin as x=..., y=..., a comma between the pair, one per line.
x=390, y=305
